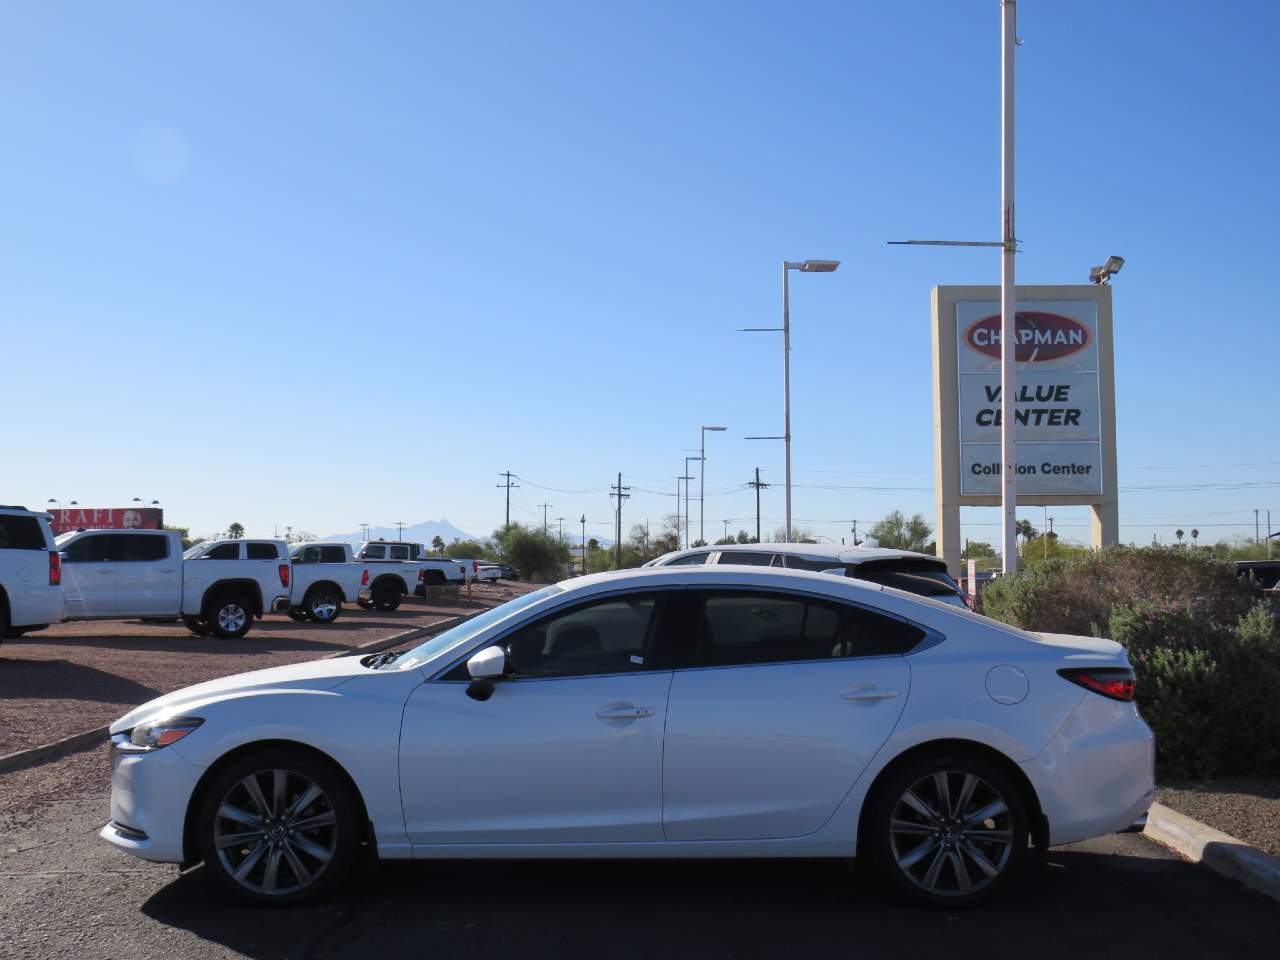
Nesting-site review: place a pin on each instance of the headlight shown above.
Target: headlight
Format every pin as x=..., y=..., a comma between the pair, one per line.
x=160, y=733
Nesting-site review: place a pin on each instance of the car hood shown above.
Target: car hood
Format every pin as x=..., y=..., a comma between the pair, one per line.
x=312, y=675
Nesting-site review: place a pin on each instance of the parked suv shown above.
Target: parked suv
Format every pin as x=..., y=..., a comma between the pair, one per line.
x=30, y=573
x=906, y=570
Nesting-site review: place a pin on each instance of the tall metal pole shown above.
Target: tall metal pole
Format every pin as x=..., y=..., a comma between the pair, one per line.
x=687, y=478
x=679, y=546
x=1008, y=303
x=786, y=382
x=702, y=485
x=583, y=521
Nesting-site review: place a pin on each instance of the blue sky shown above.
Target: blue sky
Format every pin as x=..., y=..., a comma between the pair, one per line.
x=321, y=264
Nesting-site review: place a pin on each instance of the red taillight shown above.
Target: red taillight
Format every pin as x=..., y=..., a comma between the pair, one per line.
x=55, y=568
x=284, y=575
x=1117, y=683
x=422, y=576
x=364, y=579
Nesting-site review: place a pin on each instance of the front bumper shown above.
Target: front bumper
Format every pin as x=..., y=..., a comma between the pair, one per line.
x=150, y=792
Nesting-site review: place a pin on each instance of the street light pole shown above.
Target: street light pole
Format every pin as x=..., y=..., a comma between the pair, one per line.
x=1008, y=302
x=583, y=521
x=687, y=478
x=702, y=481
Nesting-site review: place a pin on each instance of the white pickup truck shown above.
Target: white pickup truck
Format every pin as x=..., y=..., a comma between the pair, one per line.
x=217, y=587
x=400, y=567
x=325, y=576
x=30, y=573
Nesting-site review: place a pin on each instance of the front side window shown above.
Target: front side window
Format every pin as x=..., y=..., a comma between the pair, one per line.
x=261, y=551
x=608, y=636
x=748, y=557
x=375, y=551
x=307, y=555
x=93, y=549
x=223, y=551
x=739, y=628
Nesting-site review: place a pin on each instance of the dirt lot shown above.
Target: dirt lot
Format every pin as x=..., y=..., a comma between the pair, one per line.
x=1247, y=808
x=77, y=676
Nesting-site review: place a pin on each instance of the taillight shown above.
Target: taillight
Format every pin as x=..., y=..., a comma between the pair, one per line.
x=364, y=579
x=1116, y=683
x=422, y=576
x=55, y=568
x=284, y=575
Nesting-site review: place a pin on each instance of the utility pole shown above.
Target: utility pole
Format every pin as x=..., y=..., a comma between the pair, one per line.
x=399, y=529
x=726, y=529
x=583, y=521
x=560, y=520
x=508, y=486
x=364, y=533
x=759, y=485
x=545, y=507
x=1008, y=299
x=855, y=533
x=621, y=493
x=1257, y=534
x=678, y=518
x=1268, y=534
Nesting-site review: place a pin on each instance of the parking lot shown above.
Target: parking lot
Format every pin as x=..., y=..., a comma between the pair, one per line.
x=64, y=893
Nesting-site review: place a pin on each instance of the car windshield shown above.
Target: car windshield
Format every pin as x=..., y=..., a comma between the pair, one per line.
x=444, y=642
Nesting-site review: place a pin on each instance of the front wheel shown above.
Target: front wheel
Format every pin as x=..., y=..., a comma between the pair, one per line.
x=278, y=827
x=386, y=598
x=322, y=605
x=230, y=616
x=197, y=625
x=948, y=830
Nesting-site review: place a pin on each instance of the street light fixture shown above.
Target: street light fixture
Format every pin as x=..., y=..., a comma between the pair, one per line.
x=806, y=266
x=1104, y=273
x=702, y=481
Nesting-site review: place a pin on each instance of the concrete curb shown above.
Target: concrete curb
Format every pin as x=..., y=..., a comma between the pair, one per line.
x=1220, y=852
x=91, y=738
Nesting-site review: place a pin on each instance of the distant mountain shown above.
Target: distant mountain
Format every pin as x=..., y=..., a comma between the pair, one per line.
x=423, y=532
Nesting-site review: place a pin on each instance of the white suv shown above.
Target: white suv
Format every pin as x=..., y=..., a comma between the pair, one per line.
x=906, y=570
x=30, y=572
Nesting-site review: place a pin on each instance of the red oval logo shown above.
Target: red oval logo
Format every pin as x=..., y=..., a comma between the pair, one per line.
x=1041, y=336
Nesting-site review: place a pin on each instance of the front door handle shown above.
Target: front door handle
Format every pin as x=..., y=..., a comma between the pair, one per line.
x=628, y=712
x=874, y=693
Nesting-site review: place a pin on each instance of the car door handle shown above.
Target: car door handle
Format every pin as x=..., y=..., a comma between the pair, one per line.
x=875, y=693
x=107, y=570
x=624, y=713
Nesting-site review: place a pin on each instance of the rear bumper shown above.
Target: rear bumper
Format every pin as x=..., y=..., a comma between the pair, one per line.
x=281, y=604
x=364, y=594
x=1097, y=775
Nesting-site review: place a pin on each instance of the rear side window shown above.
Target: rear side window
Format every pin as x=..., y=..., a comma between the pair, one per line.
x=21, y=533
x=399, y=551
x=754, y=628
x=261, y=551
x=415, y=551
x=139, y=548
x=747, y=557
x=223, y=551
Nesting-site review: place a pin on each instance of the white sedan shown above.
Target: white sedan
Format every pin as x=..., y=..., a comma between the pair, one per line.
x=671, y=712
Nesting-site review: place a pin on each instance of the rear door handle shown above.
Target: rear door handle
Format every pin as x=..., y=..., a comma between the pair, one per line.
x=624, y=713
x=871, y=694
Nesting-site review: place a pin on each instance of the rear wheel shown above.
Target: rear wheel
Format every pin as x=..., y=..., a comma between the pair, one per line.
x=323, y=605
x=197, y=625
x=386, y=598
x=278, y=827
x=230, y=616
x=947, y=829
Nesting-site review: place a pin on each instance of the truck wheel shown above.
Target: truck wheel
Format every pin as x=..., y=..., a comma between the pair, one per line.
x=4, y=623
x=365, y=604
x=296, y=613
x=434, y=578
x=230, y=616
x=322, y=605
x=386, y=598
x=197, y=625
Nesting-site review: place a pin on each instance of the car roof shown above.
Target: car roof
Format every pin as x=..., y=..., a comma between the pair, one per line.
x=844, y=554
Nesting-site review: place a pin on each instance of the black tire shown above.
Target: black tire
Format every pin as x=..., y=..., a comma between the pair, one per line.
x=296, y=613
x=364, y=604
x=27, y=628
x=4, y=623
x=433, y=578
x=386, y=598
x=323, y=604
x=197, y=625
x=930, y=848
x=230, y=615
x=273, y=835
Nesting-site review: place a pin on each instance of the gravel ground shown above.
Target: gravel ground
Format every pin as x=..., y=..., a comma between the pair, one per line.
x=76, y=676
x=1248, y=809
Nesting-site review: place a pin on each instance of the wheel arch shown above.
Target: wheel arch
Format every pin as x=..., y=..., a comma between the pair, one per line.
x=333, y=584
x=191, y=843
x=389, y=579
x=251, y=587
x=1039, y=824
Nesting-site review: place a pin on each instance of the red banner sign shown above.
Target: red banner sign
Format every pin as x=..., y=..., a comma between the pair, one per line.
x=109, y=518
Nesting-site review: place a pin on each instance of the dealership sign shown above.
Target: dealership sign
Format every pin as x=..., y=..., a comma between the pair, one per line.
x=106, y=518
x=1056, y=404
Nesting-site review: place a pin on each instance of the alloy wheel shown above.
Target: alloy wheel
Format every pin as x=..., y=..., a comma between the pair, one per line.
x=276, y=840
x=951, y=833
x=324, y=607
x=232, y=616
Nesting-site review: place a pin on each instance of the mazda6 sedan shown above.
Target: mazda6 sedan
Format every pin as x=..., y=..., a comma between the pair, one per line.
x=670, y=712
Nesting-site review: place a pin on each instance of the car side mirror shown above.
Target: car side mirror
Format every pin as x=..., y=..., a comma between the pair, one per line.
x=485, y=667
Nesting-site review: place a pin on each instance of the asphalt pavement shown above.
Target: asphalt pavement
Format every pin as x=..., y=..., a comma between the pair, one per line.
x=64, y=893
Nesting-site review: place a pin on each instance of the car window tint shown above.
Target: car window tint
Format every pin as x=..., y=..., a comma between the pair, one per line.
x=609, y=636
x=399, y=552
x=747, y=557
x=816, y=564
x=688, y=561
x=375, y=551
x=21, y=533
x=865, y=633
x=332, y=554
x=223, y=551
x=139, y=548
x=88, y=550
x=261, y=551
x=924, y=583
x=415, y=551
